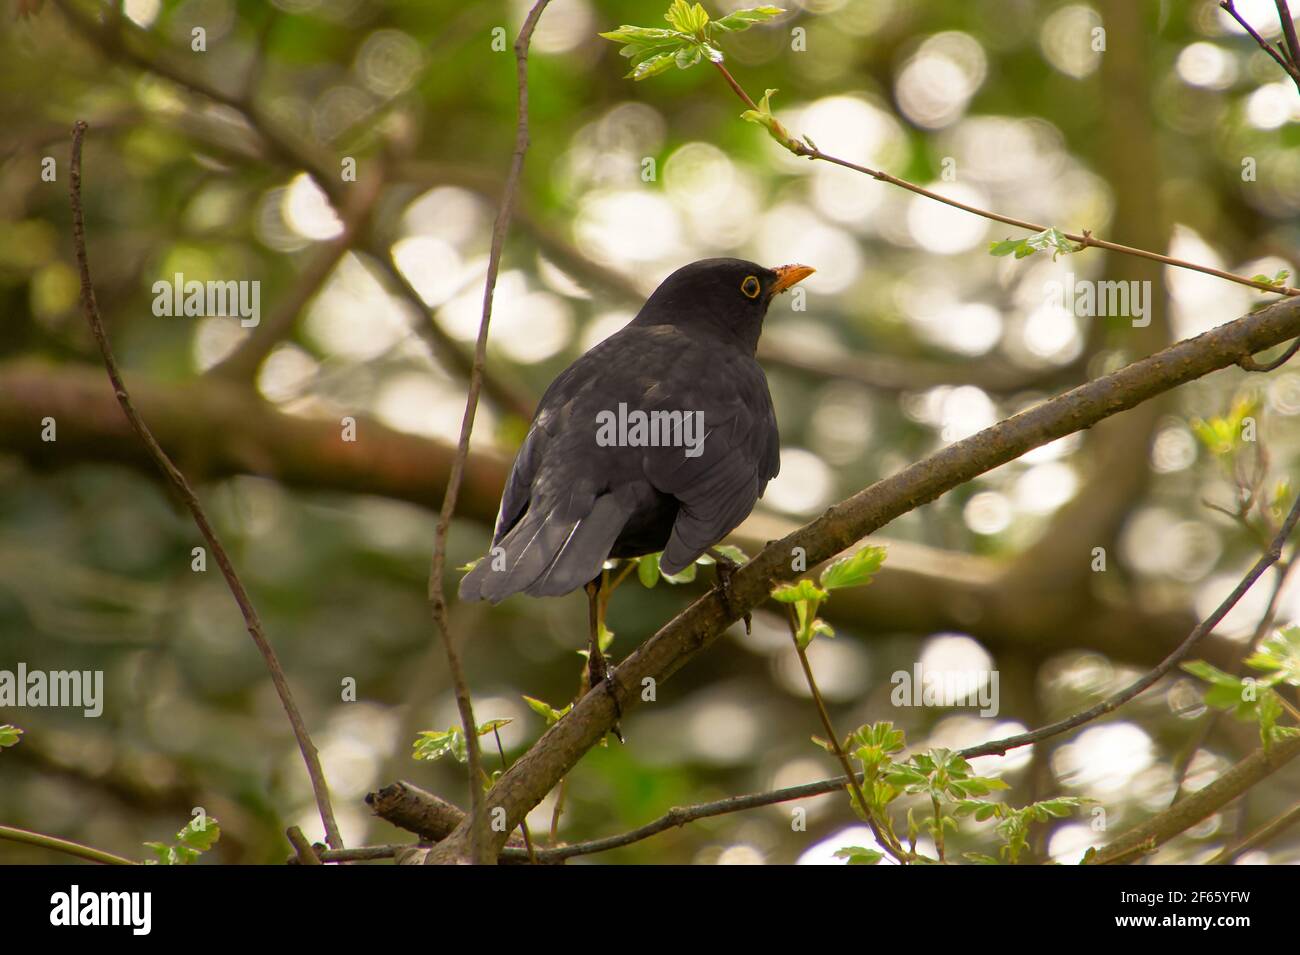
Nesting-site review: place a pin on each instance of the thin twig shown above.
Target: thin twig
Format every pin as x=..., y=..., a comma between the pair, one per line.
x=832, y=738
x=1085, y=238
x=1266, y=560
x=182, y=486
x=63, y=845
x=1184, y=762
x=523, y=826
x=1288, y=30
x=302, y=847
x=1230, y=785
x=1248, y=363
x=1286, y=57
x=479, y=852
x=1259, y=837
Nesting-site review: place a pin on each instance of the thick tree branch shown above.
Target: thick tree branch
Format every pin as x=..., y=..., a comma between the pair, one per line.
x=526, y=783
x=217, y=428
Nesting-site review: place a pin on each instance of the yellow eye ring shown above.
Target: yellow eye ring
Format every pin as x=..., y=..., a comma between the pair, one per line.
x=751, y=286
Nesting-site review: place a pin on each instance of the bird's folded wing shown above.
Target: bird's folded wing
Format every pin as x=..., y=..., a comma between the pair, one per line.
x=718, y=488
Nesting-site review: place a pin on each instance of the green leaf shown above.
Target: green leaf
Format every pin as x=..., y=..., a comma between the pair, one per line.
x=729, y=551
x=763, y=117
x=647, y=570
x=492, y=726
x=546, y=711
x=9, y=735
x=1222, y=435
x=1279, y=655
x=435, y=744
x=686, y=18
x=199, y=835
x=653, y=66
x=857, y=855
x=685, y=576
x=1052, y=238
x=1279, y=279
x=687, y=56
x=854, y=571
x=803, y=590
x=642, y=35
x=744, y=19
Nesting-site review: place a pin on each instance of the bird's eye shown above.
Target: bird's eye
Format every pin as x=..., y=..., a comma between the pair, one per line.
x=750, y=286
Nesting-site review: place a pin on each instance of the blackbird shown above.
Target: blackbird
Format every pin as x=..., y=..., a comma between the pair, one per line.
x=660, y=438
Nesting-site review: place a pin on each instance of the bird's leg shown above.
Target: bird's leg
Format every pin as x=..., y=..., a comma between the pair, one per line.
x=726, y=567
x=597, y=665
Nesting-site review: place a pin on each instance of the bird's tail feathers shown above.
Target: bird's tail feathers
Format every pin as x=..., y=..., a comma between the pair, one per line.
x=545, y=555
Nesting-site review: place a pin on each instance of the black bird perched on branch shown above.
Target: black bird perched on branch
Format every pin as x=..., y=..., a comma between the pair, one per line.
x=660, y=438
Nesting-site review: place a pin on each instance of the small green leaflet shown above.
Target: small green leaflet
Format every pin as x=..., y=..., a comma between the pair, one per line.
x=1053, y=239
x=546, y=711
x=198, y=836
x=859, y=856
x=1279, y=656
x=435, y=744
x=853, y=571
x=1278, y=280
x=1222, y=434
x=729, y=551
x=685, y=576
x=1247, y=699
x=803, y=590
x=653, y=50
x=647, y=570
x=685, y=17
x=744, y=19
x=763, y=117
x=9, y=735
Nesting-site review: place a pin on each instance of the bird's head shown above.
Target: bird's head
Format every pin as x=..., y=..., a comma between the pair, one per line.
x=729, y=296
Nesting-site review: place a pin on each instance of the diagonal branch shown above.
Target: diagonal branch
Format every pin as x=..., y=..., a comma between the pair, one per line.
x=526, y=783
x=1180, y=817
x=682, y=815
x=1287, y=57
x=254, y=624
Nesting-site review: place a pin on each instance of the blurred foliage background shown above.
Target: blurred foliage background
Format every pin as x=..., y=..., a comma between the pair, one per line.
x=912, y=337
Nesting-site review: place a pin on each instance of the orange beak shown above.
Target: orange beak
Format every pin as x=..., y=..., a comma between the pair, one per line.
x=788, y=275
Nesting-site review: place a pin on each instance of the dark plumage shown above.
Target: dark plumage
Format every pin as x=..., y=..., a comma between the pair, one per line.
x=571, y=503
